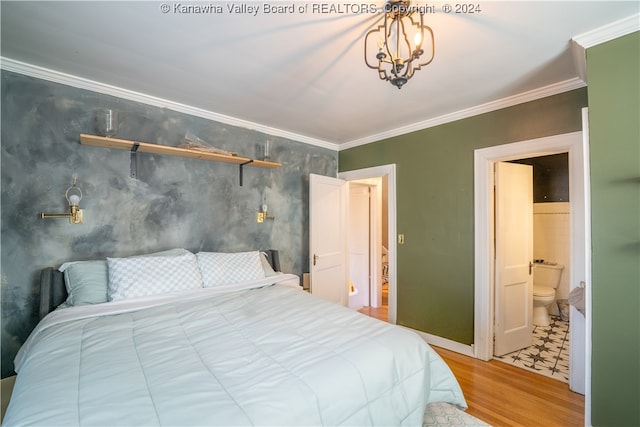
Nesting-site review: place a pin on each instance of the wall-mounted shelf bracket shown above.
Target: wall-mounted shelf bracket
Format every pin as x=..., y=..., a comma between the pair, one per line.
x=241, y=166
x=134, y=160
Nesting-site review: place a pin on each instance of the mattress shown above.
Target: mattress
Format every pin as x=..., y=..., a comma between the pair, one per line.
x=262, y=354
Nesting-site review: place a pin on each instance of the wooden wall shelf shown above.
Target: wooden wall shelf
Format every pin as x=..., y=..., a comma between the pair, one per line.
x=136, y=147
x=145, y=147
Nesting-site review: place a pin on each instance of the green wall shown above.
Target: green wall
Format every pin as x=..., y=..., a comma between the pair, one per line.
x=614, y=116
x=435, y=204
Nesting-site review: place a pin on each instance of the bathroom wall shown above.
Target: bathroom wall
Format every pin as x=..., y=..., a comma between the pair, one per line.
x=550, y=177
x=551, y=215
x=175, y=202
x=552, y=239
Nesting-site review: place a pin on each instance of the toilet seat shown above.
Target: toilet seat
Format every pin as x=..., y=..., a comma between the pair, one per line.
x=543, y=291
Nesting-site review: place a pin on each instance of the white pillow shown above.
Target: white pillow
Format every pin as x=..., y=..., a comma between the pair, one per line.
x=144, y=276
x=87, y=281
x=220, y=268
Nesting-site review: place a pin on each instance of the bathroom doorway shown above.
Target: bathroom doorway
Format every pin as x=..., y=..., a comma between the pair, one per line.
x=576, y=145
x=539, y=343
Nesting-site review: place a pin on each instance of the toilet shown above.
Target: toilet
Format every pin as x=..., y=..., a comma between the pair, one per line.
x=546, y=278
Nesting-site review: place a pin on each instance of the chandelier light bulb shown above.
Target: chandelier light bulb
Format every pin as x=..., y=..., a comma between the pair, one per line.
x=418, y=39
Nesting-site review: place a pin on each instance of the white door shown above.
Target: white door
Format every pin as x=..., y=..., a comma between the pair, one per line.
x=358, y=242
x=327, y=238
x=514, y=256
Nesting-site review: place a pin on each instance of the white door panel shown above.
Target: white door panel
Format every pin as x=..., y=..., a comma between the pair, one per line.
x=514, y=254
x=327, y=238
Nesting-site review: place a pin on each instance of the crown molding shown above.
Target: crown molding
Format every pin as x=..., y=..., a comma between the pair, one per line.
x=609, y=32
x=532, y=95
x=82, y=83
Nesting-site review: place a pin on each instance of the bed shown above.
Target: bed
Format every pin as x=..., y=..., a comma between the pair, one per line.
x=214, y=339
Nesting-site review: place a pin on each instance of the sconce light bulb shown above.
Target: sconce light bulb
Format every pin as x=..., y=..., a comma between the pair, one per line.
x=74, y=199
x=264, y=208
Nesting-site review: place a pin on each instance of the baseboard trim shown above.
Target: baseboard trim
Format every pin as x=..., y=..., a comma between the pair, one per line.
x=445, y=343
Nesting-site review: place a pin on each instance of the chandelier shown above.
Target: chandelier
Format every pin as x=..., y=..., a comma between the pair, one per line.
x=399, y=43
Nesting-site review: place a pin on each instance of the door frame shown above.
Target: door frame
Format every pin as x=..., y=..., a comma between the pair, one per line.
x=390, y=172
x=576, y=144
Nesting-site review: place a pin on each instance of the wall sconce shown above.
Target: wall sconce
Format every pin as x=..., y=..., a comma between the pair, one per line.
x=263, y=215
x=73, y=195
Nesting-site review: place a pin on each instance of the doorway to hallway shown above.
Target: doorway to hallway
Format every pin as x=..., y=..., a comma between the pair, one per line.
x=382, y=243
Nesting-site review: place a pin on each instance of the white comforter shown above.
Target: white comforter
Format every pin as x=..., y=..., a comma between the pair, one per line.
x=271, y=355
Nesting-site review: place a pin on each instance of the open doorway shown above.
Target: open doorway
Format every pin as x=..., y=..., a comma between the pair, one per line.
x=380, y=181
x=368, y=242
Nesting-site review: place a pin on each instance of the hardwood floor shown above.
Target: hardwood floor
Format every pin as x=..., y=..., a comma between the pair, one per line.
x=503, y=395
x=380, y=313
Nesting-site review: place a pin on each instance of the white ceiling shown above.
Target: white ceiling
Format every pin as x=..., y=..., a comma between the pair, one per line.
x=303, y=74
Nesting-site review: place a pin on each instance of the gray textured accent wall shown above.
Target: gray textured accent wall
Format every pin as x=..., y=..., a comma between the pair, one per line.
x=175, y=202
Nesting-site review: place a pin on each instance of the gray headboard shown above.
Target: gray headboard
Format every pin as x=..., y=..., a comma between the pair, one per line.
x=53, y=291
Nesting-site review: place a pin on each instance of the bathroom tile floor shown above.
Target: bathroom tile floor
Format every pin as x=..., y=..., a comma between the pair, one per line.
x=549, y=354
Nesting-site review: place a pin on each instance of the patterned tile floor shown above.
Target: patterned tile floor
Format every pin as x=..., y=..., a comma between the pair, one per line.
x=549, y=354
